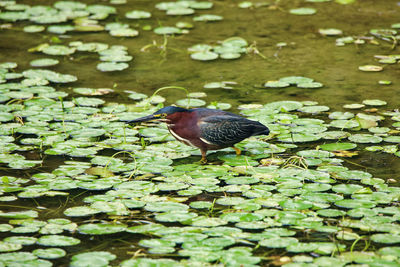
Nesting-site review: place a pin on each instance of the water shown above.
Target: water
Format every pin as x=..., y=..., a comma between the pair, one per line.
x=307, y=54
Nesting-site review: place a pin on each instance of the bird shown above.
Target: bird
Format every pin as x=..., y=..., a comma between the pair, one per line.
x=206, y=129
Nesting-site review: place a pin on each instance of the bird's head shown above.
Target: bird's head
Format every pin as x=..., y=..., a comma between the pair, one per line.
x=161, y=115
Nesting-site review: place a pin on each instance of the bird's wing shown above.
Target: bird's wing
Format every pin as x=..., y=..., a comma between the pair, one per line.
x=226, y=130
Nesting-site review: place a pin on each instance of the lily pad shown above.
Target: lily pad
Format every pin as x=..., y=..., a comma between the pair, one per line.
x=204, y=56
x=57, y=241
x=303, y=11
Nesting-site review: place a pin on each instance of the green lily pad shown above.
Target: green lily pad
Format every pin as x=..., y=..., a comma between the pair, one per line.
x=93, y=258
x=80, y=211
x=347, y=188
x=34, y=28
x=278, y=242
x=203, y=221
x=57, y=241
x=370, y=68
x=338, y=146
x=190, y=102
x=276, y=84
x=175, y=216
x=112, y=66
x=385, y=238
x=365, y=138
x=374, y=102
x=49, y=253
x=354, y=203
x=331, y=213
x=23, y=240
x=137, y=14
x=122, y=32
x=151, y=243
x=101, y=228
x=165, y=207
x=58, y=50
x=310, y=85
x=208, y=17
x=303, y=11
x=167, y=30
x=330, y=32
x=204, y=56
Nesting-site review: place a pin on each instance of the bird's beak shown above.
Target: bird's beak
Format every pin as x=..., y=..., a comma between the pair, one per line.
x=151, y=117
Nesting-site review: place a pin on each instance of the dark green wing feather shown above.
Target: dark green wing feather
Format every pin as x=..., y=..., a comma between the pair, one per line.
x=227, y=130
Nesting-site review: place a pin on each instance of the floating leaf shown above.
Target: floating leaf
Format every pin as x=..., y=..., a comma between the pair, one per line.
x=57, y=240
x=303, y=11
x=372, y=68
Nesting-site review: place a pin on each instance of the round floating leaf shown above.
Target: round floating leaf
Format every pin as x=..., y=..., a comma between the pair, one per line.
x=112, y=66
x=365, y=138
x=314, y=109
x=338, y=146
x=167, y=30
x=315, y=154
x=302, y=247
x=392, y=139
x=295, y=204
x=94, y=258
x=374, y=102
x=80, y=211
x=303, y=11
x=180, y=11
x=296, y=80
x=331, y=213
x=8, y=247
x=385, y=238
x=190, y=102
x=317, y=187
x=57, y=240
x=137, y=14
x=208, y=17
x=19, y=214
x=58, y=50
x=276, y=84
x=203, y=221
x=101, y=228
x=353, y=175
x=370, y=68
x=23, y=240
x=310, y=85
x=175, y=216
x=330, y=32
x=34, y=28
x=229, y=55
x=278, y=242
x=354, y=203
x=165, y=207
x=122, y=32
x=151, y=243
x=344, y=124
x=49, y=253
x=204, y=56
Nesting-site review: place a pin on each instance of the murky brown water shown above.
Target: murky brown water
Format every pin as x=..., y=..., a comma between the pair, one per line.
x=307, y=54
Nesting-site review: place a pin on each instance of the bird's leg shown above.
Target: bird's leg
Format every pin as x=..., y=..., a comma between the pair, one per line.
x=238, y=151
x=203, y=156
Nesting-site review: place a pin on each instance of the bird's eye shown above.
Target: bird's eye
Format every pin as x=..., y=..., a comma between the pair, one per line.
x=164, y=115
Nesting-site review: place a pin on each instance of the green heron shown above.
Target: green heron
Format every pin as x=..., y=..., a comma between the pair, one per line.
x=207, y=129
